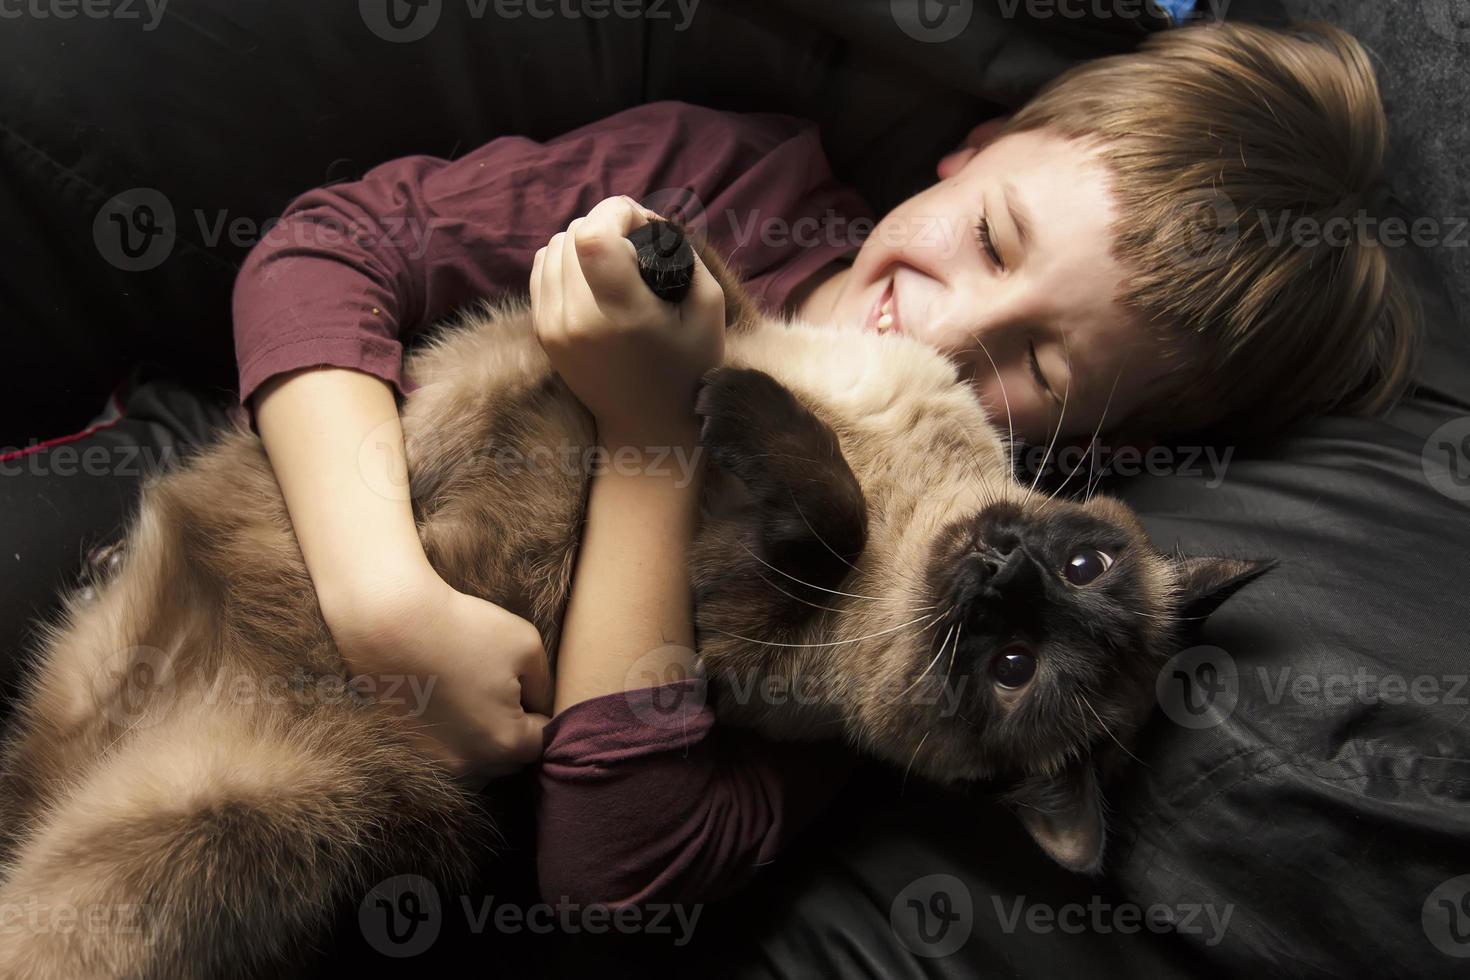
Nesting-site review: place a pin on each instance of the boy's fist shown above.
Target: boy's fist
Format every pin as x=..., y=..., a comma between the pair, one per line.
x=633, y=359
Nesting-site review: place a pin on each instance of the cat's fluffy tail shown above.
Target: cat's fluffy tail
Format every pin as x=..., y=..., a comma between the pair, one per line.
x=159, y=826
x=215, y=844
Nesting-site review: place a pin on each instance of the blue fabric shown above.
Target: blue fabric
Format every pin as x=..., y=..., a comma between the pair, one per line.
x=1178, y=10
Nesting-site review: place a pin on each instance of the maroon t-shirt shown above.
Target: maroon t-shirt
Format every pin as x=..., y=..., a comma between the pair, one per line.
x=354, y=269
x=643, y=798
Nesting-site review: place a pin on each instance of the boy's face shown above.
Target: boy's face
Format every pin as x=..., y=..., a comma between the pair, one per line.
x=1039, y=301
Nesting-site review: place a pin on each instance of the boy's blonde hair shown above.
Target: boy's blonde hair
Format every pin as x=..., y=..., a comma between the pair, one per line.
x=1246, y=164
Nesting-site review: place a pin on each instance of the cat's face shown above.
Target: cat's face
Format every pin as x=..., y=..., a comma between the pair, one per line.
x=1050, y=617
x=948, y=620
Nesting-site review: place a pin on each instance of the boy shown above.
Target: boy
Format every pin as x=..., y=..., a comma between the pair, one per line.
x=1112, y=255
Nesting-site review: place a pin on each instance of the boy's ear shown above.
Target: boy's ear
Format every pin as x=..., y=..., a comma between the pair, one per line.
x=975, y=141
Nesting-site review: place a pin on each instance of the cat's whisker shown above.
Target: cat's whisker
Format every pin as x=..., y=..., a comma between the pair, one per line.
x=1061, y=418
x=810, y=585
x=912, y=760
x=1109, y=731
x=795, y=503
x=925, y=672
x=1089, y=488
x=1010, y=427
x=805, y=601
x=1091, y=443
x=954, y=653
x=832, y=643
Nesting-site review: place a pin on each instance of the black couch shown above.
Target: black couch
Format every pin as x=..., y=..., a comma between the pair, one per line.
x=1302, y=806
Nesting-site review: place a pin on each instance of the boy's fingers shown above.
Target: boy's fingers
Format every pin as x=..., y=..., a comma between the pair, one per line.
x=551, y=292
x=576, y=293
x=620, y=215
x=526, y=742
x=704, y=292
x=607, y=260
x=536, y=265
x=536, y=686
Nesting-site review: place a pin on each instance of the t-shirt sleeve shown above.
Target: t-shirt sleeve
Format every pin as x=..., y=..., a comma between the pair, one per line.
x=350, y=271
x=644, y=799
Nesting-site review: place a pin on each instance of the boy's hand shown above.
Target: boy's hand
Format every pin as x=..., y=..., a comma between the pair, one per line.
x=469, y=679
x=634, y=360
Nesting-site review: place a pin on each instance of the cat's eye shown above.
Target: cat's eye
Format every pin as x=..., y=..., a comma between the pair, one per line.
x=1013, y=667
x=1085, y=566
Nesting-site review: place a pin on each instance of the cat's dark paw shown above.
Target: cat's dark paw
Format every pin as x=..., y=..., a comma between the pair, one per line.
x=813, y=518
x=744, y=412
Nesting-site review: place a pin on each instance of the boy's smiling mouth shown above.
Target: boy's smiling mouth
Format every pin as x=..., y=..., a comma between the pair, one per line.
x=884, y=316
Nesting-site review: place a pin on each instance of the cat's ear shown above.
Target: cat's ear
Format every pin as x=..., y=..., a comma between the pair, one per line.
x=1204, y=583
x=1064, y=815
x=811, y=512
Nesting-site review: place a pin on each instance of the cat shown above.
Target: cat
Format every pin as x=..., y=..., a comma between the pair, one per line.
x=864, y=541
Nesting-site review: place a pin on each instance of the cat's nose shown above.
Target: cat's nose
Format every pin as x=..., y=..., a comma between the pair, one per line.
x=999, y=570
x=1000, y=590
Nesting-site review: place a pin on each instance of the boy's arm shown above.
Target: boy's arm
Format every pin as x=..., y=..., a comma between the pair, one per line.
x=361, y=544
x=635, y=362
x=644, y=799
x=481, y=671
x=349, y=269
x=630, y=615
x=638, y=805
x=320, y=306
